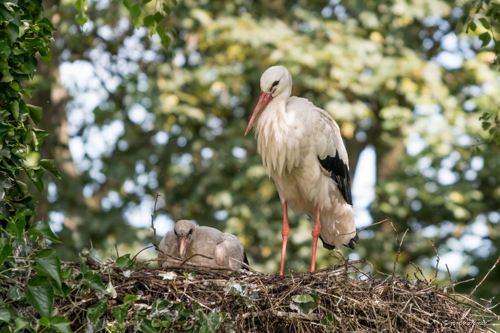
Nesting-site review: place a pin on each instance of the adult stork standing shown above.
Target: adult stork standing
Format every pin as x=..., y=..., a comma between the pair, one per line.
x=302, y=148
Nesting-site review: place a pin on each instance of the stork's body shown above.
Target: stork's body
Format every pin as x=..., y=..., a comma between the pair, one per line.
x=303, y=150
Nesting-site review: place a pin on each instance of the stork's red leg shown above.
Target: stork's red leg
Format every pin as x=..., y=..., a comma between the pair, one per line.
x=315, y=234
x=284, y=232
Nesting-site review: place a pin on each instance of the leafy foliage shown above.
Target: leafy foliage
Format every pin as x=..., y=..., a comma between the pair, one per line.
x=482, y=18
x=23, y=33
x=143, y=13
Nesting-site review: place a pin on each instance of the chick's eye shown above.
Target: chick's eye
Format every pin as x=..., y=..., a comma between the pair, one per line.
x=190, y=231
x=175, y=232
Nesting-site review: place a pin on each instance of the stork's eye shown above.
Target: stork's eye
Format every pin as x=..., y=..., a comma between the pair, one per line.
x=275, y=84
x=190, y=231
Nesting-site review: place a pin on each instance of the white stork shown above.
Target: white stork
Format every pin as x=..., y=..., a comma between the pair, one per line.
x=302, y=148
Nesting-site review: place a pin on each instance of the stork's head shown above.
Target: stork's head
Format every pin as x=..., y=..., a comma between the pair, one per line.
x=184, y=229
x=274, y=82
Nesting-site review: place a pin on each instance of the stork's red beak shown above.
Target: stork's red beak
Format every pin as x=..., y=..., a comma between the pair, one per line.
x=264, y=99
x=183, y=242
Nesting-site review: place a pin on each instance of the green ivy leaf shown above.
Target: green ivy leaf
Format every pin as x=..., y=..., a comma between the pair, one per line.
x=40, y=295
x=14, y=85
x=47, y=58
x=131, y=298
x=5, y=250
x=49, y=166
x=14, y=109
x=147, y=327
x=17, y=227
x=48, y=264
x=94, y=281
x=13, y=32
x=21, y=324
x=42, y=230
x=36, y=176
x=60, y=324
x=95, y=311
x=14, y=293
x=120, y=313
x=304, y=303
x=7, y=312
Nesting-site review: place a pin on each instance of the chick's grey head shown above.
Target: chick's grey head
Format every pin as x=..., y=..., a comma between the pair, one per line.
x=184, y=229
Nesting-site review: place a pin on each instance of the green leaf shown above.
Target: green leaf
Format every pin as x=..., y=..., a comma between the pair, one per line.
x=14, y=85
x=128, y=3
x=95, y=311
x=144, y=2
x=22, y=324
x=158, y=17
x=473, y=26
x=36, y=176
x=166, y=9
x=13, y=32
x=486, y=38
x=5, y=250
x=47, y=58
x=82, y=18
x=40, y=295
x=49, y=166
x=120, y=313
x=60, y=324
x=42, y=230
x=94, y=281
x=147, y=327
x=136, y=15
x=7, y=312
x=485, y=23
x=14, y=293
x=48, y=264
x=131, y=298
x=125, y=263
x=304, y=303
x=44, y=321
x=81, y=5
x=67, y=273
x=14, y=109
x=17, y=227
x=159, y=307
x=148, y=20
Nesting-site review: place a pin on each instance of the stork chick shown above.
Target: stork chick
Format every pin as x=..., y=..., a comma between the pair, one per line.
x=302, y=148
x=187, y=240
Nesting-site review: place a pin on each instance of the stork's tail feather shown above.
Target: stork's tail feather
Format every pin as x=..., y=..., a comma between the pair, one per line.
x=326, y=245
x=353, y=240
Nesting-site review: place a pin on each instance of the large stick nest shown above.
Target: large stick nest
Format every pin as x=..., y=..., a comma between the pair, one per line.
x=348, y=300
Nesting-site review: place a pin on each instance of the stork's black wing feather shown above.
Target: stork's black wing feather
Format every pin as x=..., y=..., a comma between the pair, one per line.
x=340, y=174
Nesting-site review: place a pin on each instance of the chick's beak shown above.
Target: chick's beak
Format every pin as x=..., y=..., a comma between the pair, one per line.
x=183, y=242
x=264, y=99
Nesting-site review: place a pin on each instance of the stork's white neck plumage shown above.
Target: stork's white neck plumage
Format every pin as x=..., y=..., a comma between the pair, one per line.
x=273, y=128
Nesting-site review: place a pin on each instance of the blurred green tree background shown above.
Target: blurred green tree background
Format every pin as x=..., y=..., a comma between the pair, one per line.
x=130, y=119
